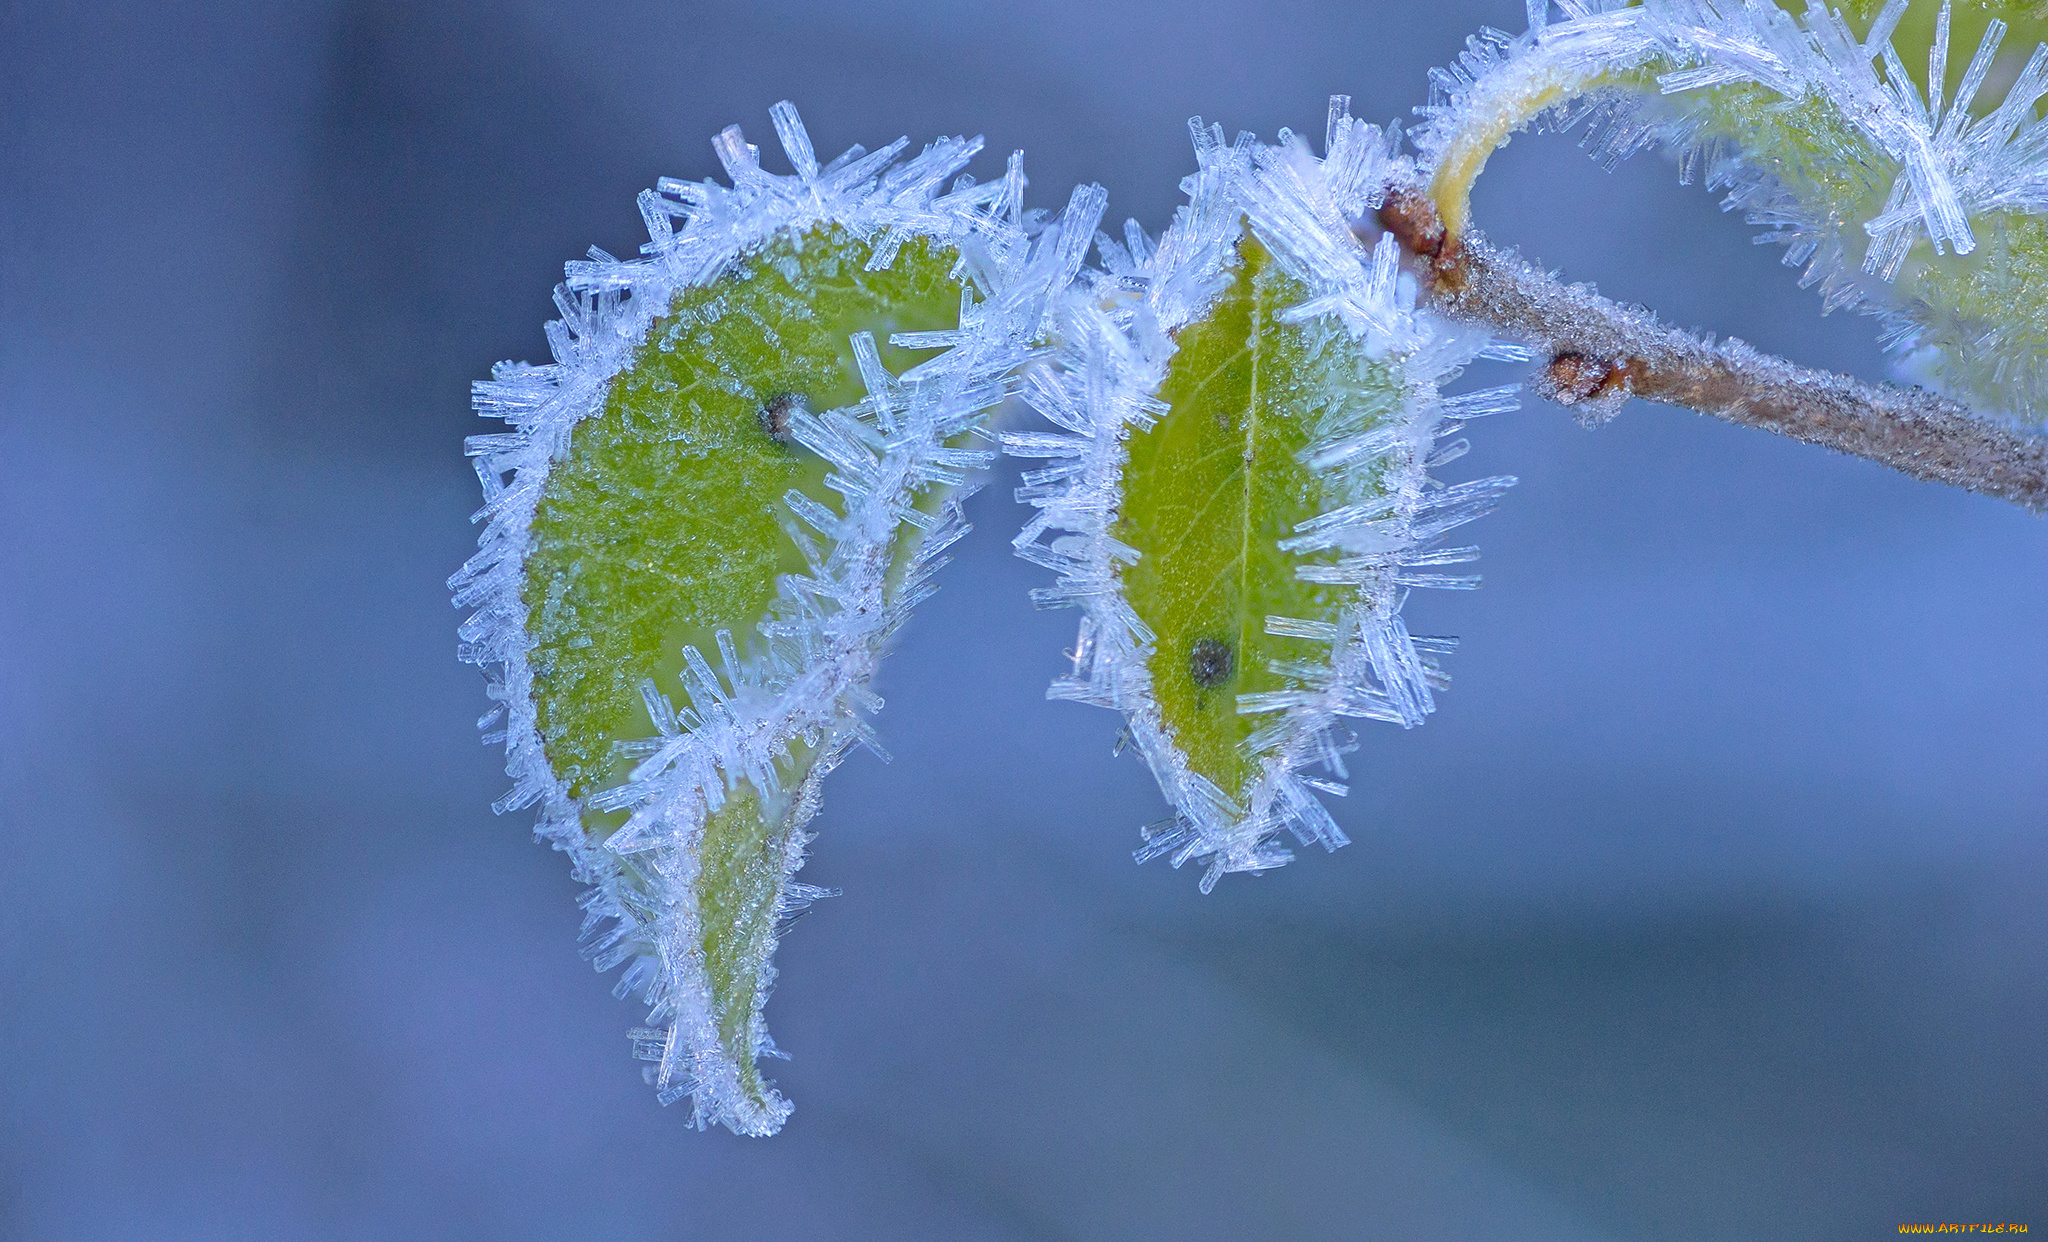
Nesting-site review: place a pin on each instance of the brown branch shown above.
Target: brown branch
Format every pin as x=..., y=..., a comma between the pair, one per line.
x=1602, y=353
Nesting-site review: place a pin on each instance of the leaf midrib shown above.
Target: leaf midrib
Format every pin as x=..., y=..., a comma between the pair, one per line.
x=1242, y=655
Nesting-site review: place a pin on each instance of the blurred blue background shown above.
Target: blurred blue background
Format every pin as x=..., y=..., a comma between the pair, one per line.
x=1709, y=906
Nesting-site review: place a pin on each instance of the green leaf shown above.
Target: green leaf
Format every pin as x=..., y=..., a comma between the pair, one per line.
x=664, y=522
x=1218, y=482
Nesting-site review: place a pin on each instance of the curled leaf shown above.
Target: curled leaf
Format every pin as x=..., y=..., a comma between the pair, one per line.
x=725, y=494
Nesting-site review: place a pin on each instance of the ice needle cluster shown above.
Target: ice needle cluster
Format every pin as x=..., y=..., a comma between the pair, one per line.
x=1239, y=495
x=1916, y=203
x=689, y=832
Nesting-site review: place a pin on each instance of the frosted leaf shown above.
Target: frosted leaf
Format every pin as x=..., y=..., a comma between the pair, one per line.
x=715, y=507
x=1248, y=406
x=1903, y=193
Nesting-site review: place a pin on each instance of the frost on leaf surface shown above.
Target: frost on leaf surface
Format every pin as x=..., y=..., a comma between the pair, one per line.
x=1249, y=409
x=1213, y=490
x=663, y=524
x=1894, y=152
x=713, y=509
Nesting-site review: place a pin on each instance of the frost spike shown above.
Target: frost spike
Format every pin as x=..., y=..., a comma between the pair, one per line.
x=796, y=141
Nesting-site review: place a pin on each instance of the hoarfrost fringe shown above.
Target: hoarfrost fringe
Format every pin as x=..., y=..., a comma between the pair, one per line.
x=826, y=631
x=1117, y=336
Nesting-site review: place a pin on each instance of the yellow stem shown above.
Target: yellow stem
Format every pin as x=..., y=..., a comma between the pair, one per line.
x=1499, y=104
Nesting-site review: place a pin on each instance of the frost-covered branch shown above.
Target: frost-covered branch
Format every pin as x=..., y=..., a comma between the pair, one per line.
x=1601, y=353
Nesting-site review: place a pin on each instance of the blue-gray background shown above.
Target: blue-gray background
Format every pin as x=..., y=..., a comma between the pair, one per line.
x=1711, y=904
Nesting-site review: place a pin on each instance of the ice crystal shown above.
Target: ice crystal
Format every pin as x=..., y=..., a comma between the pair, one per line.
x=689, y=836
x=1896, y=198
x=1248, y=410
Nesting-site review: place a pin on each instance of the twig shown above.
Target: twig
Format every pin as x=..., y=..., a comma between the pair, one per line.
x=1602, y=353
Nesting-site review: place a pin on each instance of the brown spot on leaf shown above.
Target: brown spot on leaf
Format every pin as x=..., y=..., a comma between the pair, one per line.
x=775, y=416
x=1210, y=662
